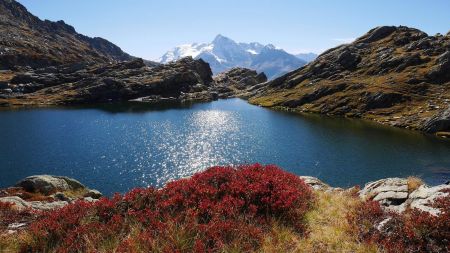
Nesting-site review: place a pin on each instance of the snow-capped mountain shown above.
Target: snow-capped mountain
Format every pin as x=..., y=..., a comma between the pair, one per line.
x=224, y=53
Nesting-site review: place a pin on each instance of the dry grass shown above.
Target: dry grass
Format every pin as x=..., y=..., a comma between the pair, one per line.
x=414, y=183
x=328, y=226
x=11, y=243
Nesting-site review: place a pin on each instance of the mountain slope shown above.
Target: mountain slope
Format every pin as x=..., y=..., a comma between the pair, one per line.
x=224, y=54
x=394, y=75
x=25, y=40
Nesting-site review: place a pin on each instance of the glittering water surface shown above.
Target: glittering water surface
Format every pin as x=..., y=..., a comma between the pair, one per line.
x=116, y=147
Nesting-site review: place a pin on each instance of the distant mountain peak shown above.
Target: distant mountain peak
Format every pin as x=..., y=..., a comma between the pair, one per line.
x=223, y=54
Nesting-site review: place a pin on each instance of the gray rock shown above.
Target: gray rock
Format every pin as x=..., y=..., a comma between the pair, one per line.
x=47, y=184
x=391, y=193
x=425, y=196
x=93, y=194
x=45, y=206
x=441, y=71
x=439, y=122
x=19, y=203
x=60, y=196
x=315, y=183
x=377, y=34
x=89, y=199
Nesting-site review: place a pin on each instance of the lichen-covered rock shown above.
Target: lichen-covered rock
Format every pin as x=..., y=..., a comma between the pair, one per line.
x=439, y=122
x=393, y=194
x=47, y=184
x=425, y=196
x=315, y=183
x=19, y=203
x=93, y=194
x=45, y=206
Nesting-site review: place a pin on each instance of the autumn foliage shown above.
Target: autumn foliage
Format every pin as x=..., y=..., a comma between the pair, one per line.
x=411, y=231
x=223, y=208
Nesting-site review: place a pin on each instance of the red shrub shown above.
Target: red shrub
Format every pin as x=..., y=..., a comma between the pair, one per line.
x=10, y=214
x=412, y=231
x=219, y=207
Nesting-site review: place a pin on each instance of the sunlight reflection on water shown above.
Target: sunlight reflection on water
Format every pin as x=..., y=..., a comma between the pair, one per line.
x=171, y=152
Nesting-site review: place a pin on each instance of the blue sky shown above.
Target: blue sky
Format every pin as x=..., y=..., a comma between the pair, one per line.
x=149, y=28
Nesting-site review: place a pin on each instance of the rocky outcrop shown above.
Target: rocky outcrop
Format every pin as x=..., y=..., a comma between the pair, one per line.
x=186, y=79
x=47, y=184
x=396, y=194
x=438, y=123
x=233, y=82
x=393, y=194
x=393, y=75
x=45, y=192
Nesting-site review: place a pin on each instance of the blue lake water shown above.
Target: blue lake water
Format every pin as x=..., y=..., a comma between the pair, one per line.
x=116, y=147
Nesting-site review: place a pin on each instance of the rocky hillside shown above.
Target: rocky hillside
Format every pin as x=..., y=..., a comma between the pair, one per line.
x=394, y=75
x=187, y=79
x=236, y=80
x=25, y=40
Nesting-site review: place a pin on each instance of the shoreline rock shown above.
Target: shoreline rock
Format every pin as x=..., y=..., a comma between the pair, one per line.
x=393, y=194
x=46, y=192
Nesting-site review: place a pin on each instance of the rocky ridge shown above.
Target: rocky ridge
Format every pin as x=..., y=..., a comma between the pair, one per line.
x=181, y=81
x=393, y=75
x=27, y=41
x=236, y=80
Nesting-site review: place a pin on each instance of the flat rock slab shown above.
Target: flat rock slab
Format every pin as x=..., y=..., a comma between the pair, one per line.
x=393, y=194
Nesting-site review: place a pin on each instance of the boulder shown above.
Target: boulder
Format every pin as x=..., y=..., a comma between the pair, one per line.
x=377, y=33
x=441, y=70
x=315, y=183
x=45, y=206
x=438, y=123
x=47, y=184
x=391, y=193
x=382, y=100
x=93, y=194
x=425, y=196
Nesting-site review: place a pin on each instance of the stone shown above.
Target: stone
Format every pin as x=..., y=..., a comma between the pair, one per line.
x=391, y=193
x=424, y=196
x=60, y=196
x=438, y=123
x=441, y=71
x=315, y=183
x=93, y=194
x=47, y=184
x=19, y=203
x=89, y=199
x=382, y=100
x=377, y=33
x=46, y=206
